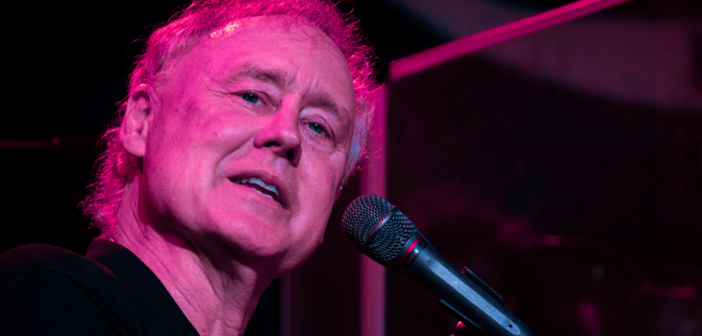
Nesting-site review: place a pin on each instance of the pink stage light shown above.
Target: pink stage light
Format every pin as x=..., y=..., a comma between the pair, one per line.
x=452, y=50
x=592, y=323
x=373, y=177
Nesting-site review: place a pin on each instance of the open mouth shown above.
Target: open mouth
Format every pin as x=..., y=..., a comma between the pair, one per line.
x=257, y=184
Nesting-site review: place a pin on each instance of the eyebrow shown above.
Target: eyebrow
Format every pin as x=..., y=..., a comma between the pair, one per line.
x=276, y=77
x=283, y=79
x=322, y=100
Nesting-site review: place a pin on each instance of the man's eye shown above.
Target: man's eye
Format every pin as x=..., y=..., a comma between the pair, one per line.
x=251, y=98
x=317, y=128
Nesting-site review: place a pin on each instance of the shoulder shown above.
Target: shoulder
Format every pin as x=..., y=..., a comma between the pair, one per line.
x=32, y=257
x=36, y=263
x=49, y=289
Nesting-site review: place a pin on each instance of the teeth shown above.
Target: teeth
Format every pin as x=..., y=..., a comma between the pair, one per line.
x=265, y=186
x=258, y=181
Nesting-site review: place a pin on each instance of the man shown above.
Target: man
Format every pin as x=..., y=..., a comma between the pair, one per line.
x=243, y=121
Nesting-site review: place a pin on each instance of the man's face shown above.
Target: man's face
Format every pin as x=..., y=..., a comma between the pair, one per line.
x=249, y=139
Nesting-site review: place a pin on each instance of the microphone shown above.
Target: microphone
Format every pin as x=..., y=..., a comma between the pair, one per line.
x=382, y=232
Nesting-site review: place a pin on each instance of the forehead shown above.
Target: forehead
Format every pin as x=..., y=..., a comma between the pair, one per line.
x=301, y=54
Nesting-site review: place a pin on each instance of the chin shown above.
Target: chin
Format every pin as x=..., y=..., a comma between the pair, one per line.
x=257, y=239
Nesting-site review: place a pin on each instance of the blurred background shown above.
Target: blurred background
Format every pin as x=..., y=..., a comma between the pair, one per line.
x=563, y=167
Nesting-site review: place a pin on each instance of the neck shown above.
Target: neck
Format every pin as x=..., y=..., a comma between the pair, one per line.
x=217, y=293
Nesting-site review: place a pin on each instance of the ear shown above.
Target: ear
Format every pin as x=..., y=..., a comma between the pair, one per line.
x=138, y=117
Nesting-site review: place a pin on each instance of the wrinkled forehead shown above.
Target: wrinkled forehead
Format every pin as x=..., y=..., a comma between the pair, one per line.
x=296, y=30
x=301, y=26
x=276, y=50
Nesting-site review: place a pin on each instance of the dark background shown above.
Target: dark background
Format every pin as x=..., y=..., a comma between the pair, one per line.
x=488, y=175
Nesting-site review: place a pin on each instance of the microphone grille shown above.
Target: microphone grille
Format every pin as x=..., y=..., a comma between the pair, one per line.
x=361, y=219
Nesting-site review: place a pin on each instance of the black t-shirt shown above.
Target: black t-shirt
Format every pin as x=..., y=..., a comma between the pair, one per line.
x=46, y=290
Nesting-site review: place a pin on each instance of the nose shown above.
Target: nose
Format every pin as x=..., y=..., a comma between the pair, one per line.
x=281, y=134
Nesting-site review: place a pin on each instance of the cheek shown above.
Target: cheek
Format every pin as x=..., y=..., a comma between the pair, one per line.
x=321, y=180
x=325, y=172
x=177, y=167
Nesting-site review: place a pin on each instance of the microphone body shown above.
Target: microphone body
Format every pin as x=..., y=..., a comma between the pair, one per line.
x=393, y=241
x=468, y=300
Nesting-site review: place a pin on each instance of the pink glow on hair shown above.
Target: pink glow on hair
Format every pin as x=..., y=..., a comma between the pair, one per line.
x=179, y=35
